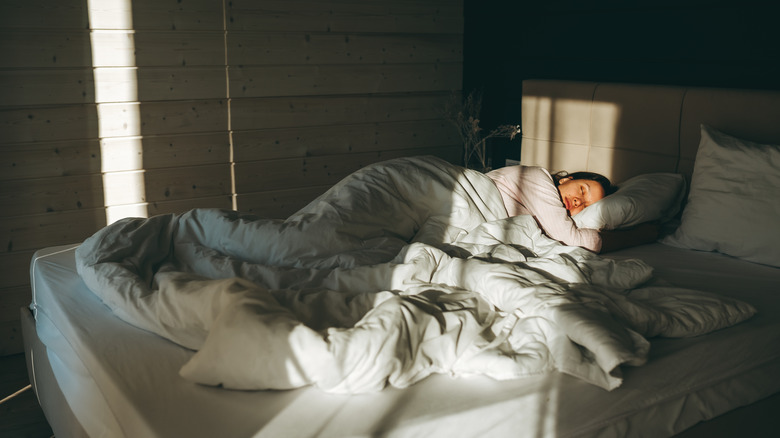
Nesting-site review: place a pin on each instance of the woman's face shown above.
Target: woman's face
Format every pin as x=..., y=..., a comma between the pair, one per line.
x=577, y=194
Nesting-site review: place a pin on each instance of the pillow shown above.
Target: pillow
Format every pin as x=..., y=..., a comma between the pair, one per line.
x=643, y=198
x=734, y=203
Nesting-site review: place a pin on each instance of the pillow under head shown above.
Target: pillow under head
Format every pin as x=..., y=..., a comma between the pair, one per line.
x=734, y=202
x=643, y=198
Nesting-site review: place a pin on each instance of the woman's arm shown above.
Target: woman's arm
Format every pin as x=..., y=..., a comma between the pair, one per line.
x=613, y=240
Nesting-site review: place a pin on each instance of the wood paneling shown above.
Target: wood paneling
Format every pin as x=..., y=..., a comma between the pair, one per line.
x=182, y=205
x=188, y=182
x=43, y=14
x=45, y=195
x=32, y=49
x=294, y=80
x=292, y=173
x=165, y=151
x=154, y=208
x=16, y=266
x=159, y=106
x=152, y=118
x=255, y=48
x=177, y=14
x=161, y=48
x=26, y=232
x=277, y=112
x=45, y=159
x=278, y=188
x=148, y=84
x=274, y=143
x=46, y=87
x=49, y=145
x=278, y=204
x=48, y=123
x=399, y=16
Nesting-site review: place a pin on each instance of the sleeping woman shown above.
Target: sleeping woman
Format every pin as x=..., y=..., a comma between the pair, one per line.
x=553, y=199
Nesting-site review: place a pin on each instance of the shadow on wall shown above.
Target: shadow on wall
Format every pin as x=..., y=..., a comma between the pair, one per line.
x=50, y=187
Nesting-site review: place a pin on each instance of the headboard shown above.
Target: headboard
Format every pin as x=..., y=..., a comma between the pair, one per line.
x=622, y=130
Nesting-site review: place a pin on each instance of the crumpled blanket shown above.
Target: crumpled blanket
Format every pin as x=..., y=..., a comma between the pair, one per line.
x=405, y=268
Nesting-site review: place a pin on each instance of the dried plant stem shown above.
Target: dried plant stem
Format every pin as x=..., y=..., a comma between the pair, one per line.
x=464, y=114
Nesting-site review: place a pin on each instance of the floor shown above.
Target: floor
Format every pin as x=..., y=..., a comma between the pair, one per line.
x=20, y=414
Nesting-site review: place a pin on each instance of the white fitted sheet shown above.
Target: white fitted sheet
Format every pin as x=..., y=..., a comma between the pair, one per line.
x=123, y=381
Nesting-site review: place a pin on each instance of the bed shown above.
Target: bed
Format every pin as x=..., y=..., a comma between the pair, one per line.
x=102, y=368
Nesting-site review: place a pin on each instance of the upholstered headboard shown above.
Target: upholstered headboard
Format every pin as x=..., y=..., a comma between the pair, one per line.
x=622, y=130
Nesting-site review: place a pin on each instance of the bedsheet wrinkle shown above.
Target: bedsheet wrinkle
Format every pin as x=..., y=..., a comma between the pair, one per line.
x=405, y=268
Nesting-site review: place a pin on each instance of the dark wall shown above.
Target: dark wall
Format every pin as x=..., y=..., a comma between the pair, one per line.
x=678, y=42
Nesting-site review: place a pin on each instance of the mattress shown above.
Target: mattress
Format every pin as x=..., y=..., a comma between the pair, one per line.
x=119, y=380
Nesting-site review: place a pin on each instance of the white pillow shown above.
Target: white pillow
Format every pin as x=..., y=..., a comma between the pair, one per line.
x=643, y=198
x=734, y=203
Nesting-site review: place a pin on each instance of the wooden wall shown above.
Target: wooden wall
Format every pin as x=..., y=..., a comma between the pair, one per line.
x=145, y=107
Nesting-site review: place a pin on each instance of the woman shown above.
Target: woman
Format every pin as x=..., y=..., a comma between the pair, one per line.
x=554, y=199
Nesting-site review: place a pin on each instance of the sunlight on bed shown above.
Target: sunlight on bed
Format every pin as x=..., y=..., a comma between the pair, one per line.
x=118, y=109
x=536, y=413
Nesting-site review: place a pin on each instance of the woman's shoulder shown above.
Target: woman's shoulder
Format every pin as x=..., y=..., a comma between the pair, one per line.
x=522, y=178
x=520, y=170
x=537, y=171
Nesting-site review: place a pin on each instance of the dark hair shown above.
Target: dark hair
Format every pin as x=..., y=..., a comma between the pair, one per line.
x=599, y=178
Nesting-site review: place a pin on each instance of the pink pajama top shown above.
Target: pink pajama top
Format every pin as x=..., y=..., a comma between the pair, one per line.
x=531, y=190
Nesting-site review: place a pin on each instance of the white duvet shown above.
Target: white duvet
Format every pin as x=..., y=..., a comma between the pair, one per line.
x=405, y=268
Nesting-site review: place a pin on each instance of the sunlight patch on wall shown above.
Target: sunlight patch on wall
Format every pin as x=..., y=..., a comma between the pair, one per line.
x=557, y=133
x=116, y=94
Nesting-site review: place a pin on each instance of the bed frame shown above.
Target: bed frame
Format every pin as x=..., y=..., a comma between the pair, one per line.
x=619, y=130
x=58, y=413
